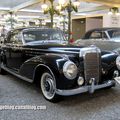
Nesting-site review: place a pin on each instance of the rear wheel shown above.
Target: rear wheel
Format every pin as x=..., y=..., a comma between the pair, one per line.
x=48, y=87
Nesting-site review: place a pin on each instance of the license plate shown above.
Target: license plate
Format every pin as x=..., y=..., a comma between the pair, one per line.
x=117, y=79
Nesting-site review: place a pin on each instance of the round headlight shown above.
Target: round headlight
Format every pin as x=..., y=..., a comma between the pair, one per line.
x=118, y=62
x=70, y=70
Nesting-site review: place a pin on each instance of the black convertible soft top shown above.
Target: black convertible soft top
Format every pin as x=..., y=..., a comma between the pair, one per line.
x=99, y=29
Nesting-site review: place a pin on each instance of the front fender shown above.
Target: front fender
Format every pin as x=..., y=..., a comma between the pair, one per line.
x=109, y=57
x=109, y=64
x=53, y=61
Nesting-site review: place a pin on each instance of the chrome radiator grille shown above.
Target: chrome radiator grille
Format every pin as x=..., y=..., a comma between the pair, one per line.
x=92, y=64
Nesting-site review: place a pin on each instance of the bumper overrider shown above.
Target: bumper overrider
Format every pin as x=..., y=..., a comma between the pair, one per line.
x=89, y=88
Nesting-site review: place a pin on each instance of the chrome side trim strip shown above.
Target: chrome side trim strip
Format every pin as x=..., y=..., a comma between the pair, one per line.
x=15, y=74
x=40, y=50
x=91, y=88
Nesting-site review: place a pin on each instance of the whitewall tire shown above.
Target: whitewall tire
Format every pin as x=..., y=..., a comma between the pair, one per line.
x=48, y=86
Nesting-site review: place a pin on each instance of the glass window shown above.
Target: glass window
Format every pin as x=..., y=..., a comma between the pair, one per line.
x=104, y=35
x=56, y=36
x=97, y=35
x=29, y=37
x=114, y=34
x=15, y=38
x=42, y=35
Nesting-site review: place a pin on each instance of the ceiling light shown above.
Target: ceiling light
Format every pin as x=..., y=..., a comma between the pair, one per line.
x=110, y=13
x=7, y=16
x=114, y=11
x=20, y=16
x=76, y=3
x=44, y=6
x=81, y=14
x=29, y=10
x=58, y=7
x=117, y=13
x=61, y=2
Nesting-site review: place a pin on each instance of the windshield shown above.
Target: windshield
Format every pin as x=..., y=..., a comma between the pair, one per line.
x=43, y=35
x=115, y=34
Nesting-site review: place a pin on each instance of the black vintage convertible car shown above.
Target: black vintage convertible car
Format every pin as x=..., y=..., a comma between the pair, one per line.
x=35, y=55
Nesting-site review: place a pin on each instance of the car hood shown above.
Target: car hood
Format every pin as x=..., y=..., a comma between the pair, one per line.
x=61, y=49
x=55, y=48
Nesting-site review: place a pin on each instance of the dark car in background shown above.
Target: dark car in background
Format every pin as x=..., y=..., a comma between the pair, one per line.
x=104, y=38
x=41, y=56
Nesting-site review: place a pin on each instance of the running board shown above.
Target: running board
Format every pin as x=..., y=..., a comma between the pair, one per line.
x=16, y=74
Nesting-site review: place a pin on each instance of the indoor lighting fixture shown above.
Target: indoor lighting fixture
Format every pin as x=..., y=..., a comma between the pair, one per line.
x=58, y=7
x=82, y=14
x=7, y=16
x=117, y=13
x=114, y=11
x=44, y=6
x=76, y=3
x=70, y=6
x=27, y=17
x=110, y=13
x=61, y=2
x=29, y=10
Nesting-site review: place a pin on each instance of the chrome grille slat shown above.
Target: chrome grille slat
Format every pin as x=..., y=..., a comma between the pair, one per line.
x=92, y=66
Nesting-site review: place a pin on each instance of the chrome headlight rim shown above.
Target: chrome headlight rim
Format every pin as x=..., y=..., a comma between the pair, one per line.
x=66, y=71
x=118, y=62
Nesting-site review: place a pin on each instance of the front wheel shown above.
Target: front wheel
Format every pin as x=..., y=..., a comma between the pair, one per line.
x=48, y=87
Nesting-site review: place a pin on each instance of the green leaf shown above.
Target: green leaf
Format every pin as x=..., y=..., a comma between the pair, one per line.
x=75, y=8
x=46, y=11
x=57, y=12
x=51, y=1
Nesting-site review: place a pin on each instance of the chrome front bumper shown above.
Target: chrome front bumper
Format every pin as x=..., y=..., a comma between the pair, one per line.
x=90, y=88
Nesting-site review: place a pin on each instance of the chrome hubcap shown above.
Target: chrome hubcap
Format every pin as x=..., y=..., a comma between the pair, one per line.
x=48, y=85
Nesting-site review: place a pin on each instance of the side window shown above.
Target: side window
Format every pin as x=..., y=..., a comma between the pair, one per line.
x=29, y=37
x=104, y=35
x=96, y=35
x=55, y=36
x=116, y=34
x=15, y=38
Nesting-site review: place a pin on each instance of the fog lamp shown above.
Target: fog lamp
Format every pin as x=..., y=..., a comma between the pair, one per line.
x=80, y=81
x=118, y=62
x=116, y=73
